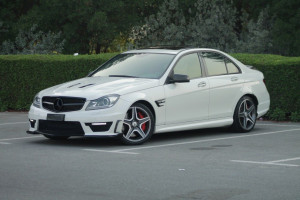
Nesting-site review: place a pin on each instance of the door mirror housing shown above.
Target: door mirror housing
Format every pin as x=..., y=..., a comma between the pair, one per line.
x=179, y=78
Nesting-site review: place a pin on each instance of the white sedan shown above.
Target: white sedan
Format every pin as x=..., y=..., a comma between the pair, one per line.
x=141, y=92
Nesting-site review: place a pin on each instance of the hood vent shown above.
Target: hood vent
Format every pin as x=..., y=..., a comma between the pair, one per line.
x=86, y=85
x=74, y=85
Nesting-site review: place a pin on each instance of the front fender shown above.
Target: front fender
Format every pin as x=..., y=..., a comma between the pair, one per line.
x=149, y=95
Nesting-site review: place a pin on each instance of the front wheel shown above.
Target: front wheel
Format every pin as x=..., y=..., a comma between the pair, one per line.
x=138, y=125
x=245, y=115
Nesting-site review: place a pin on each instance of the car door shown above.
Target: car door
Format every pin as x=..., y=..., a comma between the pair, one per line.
x=226, y=83
x=187, y=102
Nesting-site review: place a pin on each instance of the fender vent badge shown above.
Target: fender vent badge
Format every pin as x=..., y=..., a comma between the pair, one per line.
x=160, y=102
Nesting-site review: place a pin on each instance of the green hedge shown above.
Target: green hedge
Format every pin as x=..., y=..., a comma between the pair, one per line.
x=22, y=76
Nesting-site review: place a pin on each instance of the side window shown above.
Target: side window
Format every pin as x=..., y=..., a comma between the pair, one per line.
x=189, y=65
x=232, y=69
x=215, y=63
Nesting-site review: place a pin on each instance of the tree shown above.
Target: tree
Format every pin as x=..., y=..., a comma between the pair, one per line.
x=256, y=37
x=10, y=13
x=88, y=26
x=286, y=29
x=211, y=26
x=33, y=42
x=167, y=27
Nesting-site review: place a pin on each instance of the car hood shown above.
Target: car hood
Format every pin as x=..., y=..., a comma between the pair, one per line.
x=95, y=87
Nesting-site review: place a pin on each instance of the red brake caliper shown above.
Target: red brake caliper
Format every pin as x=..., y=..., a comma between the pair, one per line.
x=141, y=116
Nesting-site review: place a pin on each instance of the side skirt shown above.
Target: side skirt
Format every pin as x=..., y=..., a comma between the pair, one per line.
x=194, y=125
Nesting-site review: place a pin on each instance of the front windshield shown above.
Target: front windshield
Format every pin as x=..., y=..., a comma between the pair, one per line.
x=138, y=65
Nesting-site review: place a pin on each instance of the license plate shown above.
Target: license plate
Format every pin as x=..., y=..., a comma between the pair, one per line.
x=56, y=117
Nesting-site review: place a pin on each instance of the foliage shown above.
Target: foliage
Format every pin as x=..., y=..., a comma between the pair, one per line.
x=212, y=25
x=277, y=114
x=88, y=26
x=2, y=28
x=264, y=26
x=295, y=116
x=22, y=76
x=167, y=27
x=286, y=29
x=256, y=37
x=33, y=42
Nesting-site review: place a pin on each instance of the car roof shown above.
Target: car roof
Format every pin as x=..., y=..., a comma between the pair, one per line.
x=163, y=51
x=168, y=50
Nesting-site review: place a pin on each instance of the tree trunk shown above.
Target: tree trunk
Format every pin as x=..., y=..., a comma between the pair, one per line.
x=105, y=49
x=98, y=48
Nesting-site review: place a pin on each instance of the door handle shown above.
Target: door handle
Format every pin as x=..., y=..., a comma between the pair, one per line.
x=202, y=84
x=234, y=78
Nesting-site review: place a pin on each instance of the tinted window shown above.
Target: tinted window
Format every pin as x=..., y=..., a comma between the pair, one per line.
x=215, y=63
x=189, y=65
x=232, y=69
x=141, y=65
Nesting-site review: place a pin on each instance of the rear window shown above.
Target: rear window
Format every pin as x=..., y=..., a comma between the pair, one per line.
x=215, y=63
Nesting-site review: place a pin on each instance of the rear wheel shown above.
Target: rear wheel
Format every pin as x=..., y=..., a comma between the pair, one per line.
x=138, y=126
x=244, y=115
x=51, y=137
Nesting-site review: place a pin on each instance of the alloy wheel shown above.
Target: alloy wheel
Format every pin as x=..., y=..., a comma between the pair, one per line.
x=136, y=125
x=247, y=114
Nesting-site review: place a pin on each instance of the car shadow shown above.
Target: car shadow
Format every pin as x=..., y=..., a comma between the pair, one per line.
x=168, y=137
x=199, y=134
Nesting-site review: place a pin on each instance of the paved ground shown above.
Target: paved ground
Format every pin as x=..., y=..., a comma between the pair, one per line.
x=203, y=164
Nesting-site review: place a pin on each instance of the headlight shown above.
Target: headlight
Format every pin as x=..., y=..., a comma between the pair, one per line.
x=37, y=101
x=103, y=102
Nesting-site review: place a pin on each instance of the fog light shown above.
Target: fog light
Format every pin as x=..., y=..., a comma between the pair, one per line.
x=32, y=122
x=99, y=126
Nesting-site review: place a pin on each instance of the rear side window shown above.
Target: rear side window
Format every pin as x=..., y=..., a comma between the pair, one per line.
x=189, y=65
x=232, y=69
x=215, y=63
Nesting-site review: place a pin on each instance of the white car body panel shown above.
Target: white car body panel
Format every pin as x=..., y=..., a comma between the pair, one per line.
x=184, y=106
x=187, y=102
x=224, y=93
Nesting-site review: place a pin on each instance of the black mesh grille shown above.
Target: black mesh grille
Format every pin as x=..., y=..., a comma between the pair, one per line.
x=60, y=128
x=65, y=104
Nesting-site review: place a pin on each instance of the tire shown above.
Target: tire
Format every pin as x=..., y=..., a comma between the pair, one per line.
x=245, y=115
x=138, y=125
x=51, y=137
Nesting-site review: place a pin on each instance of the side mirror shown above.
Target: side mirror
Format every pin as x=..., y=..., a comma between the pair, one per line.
x=179, y=78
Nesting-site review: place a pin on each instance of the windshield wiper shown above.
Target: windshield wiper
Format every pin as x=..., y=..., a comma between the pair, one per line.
x=123, y=76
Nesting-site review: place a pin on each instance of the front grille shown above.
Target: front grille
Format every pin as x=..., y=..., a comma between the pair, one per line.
x=63, y=104
x=60, y=128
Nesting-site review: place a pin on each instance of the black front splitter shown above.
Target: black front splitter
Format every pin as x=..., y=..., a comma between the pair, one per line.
x=33, y=132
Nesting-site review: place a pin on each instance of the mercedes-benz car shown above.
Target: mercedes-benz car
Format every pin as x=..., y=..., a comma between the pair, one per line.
x=141, y=92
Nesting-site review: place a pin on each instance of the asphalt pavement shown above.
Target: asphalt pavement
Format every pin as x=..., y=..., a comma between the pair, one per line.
x=207, y=164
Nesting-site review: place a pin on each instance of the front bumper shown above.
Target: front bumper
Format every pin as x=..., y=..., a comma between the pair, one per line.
x=103, y=122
